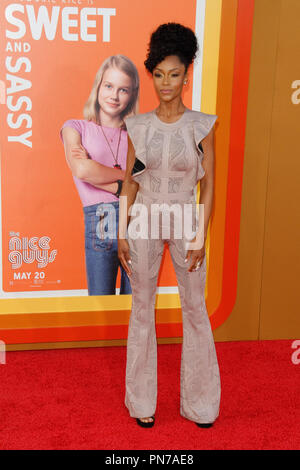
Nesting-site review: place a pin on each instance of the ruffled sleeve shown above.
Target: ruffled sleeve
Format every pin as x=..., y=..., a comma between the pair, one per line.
x=136, y=129
x=202, y=126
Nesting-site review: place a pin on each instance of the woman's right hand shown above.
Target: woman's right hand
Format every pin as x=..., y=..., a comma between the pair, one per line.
x=124, y=255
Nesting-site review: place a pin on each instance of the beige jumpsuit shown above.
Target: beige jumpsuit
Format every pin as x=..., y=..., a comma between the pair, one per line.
x=167, y=168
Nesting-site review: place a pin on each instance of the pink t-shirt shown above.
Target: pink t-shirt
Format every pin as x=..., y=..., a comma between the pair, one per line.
x=94, y=142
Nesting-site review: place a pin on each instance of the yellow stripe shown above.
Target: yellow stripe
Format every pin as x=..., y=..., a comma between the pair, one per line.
x=211, y=55
x=90, y=303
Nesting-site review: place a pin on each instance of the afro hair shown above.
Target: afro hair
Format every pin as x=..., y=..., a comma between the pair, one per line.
x=171, y=39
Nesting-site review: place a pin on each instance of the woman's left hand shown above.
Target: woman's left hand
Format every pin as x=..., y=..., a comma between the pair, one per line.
x=196, y=258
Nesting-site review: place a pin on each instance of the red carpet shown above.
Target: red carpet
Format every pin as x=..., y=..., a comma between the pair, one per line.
x=74, y=399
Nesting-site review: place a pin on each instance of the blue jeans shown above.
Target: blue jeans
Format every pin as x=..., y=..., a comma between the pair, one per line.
x=101, y=249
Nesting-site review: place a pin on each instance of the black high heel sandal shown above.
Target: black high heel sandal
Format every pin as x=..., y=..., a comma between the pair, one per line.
x=146, y=425
x=204, y=425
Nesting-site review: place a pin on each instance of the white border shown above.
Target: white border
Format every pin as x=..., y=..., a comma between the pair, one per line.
x=198, y=63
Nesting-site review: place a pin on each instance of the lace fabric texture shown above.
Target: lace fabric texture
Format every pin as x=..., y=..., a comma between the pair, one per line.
x=168, y=166
x=165, y=148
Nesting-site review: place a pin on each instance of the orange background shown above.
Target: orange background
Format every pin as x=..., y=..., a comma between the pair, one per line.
x=43, y=199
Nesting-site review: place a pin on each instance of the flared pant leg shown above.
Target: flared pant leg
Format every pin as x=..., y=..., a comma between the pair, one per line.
x=200, y=388
x=199, y=375
x=141, y=361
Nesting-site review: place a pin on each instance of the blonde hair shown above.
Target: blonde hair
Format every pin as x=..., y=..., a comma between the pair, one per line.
x=91, y=108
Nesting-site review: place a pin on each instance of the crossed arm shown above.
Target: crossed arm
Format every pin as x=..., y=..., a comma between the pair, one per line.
x=86, y=169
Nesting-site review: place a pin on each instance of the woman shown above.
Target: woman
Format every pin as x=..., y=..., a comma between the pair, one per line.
x=96, y=151
x=169, y=150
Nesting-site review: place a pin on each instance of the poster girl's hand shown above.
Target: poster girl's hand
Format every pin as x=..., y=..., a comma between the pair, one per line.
x=124, y=255
x=79, y=152
x=196, y=257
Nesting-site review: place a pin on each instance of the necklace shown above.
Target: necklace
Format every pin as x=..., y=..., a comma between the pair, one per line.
x=116, y=165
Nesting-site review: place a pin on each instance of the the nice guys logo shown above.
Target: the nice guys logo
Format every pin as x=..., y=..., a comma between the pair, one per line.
x=30, y=250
